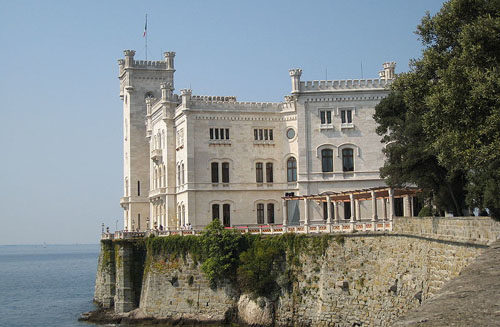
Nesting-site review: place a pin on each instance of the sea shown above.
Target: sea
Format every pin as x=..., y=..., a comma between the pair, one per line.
x=46, y=285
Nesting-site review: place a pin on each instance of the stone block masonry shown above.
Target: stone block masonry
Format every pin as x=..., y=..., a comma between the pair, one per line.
x=364, y=279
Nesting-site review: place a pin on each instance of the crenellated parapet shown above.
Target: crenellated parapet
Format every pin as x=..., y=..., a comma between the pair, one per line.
x=214, y=98
x=343, y=85
x=236, y=105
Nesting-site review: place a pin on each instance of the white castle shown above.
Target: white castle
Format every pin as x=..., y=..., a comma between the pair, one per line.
x=189, y=159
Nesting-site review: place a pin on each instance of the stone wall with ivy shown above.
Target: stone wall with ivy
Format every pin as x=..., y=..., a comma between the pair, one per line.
x=364, y=279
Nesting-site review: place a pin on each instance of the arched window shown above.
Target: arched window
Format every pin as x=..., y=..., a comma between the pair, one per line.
x=226, y=215
x=182, y=173
x=327, y=160
x=260, y=213
x=291, y=169
x=215, y=211
x=259, y=176
x=215, y=172
x=148, y=95
x=347, y=160
x=269, y=172
x=225, y=172
x=270, y=213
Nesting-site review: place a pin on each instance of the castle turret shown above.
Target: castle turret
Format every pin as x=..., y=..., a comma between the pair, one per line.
x=140, y=80
x=295, y=75
x=389, y=70
x=186, y=97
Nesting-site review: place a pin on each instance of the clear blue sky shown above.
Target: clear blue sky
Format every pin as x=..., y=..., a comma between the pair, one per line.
x=60, y=113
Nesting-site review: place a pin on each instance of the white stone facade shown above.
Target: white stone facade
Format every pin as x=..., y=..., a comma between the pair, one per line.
x=188, y=158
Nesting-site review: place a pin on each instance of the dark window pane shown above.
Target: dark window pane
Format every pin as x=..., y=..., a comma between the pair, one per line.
x=342, y=116
x=260, y=213
x=323, y=118
x=349, y=116
x=328, y=117
x=325, y=210
x=265, y=134
x=226, y=215
x=269, y=172
x=271, y=134
x=258, y=172
x=260, y=135
x=215, y=211
x=291, y=170
x=215, y=172
x=222, y=133
x=347, y=160
x=347, y=210
x=255, y=134
x=327, y=160
x=138, y=188
x=227, y=133
x=270, y=213
x=216, y=133
x=225, y=172
x=211, y=133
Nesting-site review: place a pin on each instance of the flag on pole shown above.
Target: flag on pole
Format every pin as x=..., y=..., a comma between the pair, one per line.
x=145, y=27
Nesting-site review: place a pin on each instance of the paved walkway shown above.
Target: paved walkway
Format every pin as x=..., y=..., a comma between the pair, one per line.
x=471, y=299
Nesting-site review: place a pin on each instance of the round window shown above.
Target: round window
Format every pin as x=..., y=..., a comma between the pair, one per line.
x=290, y=133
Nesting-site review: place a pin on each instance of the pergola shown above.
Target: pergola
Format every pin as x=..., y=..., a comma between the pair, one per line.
x=354, y=197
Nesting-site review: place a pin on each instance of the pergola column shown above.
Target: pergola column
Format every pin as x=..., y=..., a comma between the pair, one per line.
x=328, y=209
x=384, y=208
x=407, y=206
x=358, y=210
x=306, y=212
x=285, y=214
x=391, y=204
x=336, y=211
x=351, y=201
x=374, y=206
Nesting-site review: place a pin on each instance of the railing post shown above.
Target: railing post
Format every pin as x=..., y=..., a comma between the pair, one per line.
x=374, y=206
x=351, y=201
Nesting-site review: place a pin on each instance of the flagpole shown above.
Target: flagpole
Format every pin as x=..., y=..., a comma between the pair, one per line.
x=146, y=36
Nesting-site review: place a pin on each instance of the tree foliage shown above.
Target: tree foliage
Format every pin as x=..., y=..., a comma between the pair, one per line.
x=441, y=122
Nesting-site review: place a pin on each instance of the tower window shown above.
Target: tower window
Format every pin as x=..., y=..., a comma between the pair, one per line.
x=291, y=169
x=225, y=172
x=215, y=211
x=270, y=213
x=259, y=176
x=269, y=172
x=138, y=188
x=260, y=213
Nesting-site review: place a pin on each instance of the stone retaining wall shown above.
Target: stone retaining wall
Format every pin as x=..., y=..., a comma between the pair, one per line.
x=475, y=230
x=368, y=279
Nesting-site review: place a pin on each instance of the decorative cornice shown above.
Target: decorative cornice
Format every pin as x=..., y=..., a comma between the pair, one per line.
x=344, y=99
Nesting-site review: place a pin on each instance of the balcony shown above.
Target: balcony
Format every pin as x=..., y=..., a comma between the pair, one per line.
x=124, y=201
x=157, y=192
x=156, y=155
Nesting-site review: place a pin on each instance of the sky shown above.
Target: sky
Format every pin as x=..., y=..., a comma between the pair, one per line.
x=60, y=111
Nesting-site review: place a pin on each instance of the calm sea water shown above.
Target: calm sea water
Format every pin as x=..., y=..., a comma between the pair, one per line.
x=46, y=286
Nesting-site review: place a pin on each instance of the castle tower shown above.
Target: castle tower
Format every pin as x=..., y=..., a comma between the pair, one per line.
x=139, y=80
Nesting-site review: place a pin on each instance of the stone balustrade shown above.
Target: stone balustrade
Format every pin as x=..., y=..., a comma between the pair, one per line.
x=315, y=228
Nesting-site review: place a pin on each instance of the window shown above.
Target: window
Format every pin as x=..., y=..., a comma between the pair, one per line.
x=259, y=176
x=327, y=160
x=215, y=211
x=269, y=172
x=325, y=210
x=290, y=133
x=347, y=160
x=291, y=170
x=180, y=138
x=138, y=188
x=270, y=213
x=182, y=174
x=326, y=117
x=260, y=213
x=346, y=116
x=225, y=172
x=178, y=175
x=219, y=133
x=215, y=172
x=262, y=134
x=226, y=215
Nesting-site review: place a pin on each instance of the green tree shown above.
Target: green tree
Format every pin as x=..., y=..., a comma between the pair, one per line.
x=446, y=109
x=222, y=250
